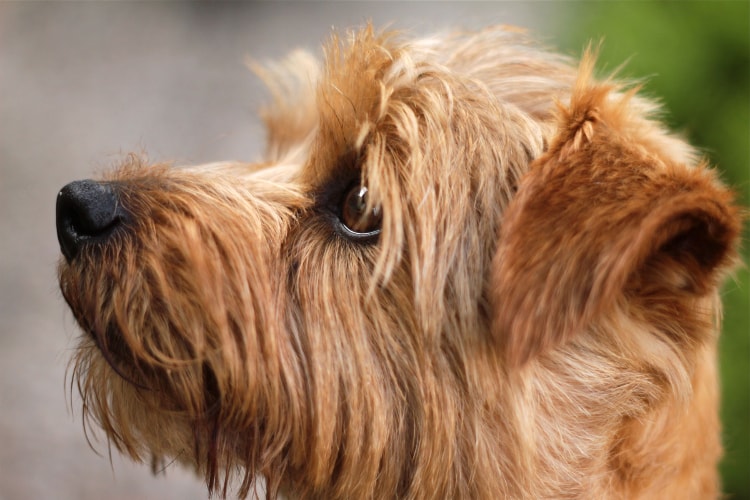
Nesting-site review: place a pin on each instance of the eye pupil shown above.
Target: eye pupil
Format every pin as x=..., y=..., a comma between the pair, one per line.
x=355, y=215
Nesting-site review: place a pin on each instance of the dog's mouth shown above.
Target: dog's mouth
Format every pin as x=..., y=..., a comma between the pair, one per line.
x=106, y=338
x=145, y=373
x=89, y=299
x=118, y=355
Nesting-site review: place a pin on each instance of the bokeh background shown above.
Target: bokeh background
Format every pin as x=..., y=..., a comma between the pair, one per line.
x=82, y=83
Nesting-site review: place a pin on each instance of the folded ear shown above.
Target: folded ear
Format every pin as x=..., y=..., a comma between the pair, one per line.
x=597, y=213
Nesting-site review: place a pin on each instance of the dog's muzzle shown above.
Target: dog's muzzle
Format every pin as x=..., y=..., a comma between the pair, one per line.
x=88, y=212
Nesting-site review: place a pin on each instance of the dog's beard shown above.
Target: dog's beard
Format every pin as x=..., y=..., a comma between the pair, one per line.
x=169, y=326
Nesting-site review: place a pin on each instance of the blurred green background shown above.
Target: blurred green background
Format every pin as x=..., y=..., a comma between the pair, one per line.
x=696, y=60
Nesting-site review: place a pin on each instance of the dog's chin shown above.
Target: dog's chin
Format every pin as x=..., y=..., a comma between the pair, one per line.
x=144, y=415
x=138, y=404
x=158, y=406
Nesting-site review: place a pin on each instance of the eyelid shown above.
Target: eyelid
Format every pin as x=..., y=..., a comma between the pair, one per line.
x=342, y=177
x=368, y=237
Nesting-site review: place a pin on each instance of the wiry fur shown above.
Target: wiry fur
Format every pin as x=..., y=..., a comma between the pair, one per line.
x=537, y=318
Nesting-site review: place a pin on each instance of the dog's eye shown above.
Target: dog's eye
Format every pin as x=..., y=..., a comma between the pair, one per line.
x=355, y=215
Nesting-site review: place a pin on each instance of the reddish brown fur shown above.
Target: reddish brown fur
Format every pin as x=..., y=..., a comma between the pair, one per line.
x=536, y=319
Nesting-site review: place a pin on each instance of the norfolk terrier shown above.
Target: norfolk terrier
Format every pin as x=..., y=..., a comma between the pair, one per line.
x=465, y=268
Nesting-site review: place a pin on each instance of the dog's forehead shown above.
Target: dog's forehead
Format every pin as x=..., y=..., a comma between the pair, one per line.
x=370, y=81
x=351, y=98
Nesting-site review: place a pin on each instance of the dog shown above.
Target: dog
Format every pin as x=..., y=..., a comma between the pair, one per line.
x=466, y=268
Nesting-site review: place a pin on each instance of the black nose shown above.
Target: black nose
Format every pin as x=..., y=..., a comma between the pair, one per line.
x=87, y=212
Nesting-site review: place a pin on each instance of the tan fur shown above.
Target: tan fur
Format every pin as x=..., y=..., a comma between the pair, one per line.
x=537, y=317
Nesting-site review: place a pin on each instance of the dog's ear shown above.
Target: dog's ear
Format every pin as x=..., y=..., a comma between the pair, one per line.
x=602, y=214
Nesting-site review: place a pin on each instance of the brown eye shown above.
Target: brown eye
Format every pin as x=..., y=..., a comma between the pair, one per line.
x=354, y=213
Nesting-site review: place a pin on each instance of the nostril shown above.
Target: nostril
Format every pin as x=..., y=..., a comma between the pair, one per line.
x=86, y=210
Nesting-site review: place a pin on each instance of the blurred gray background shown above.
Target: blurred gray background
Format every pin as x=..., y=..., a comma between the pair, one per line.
x=81, y=84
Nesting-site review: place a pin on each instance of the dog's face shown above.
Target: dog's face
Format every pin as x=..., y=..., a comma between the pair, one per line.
x=440, y=229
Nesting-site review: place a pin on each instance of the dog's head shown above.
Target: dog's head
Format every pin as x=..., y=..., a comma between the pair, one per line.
x=434, y=219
